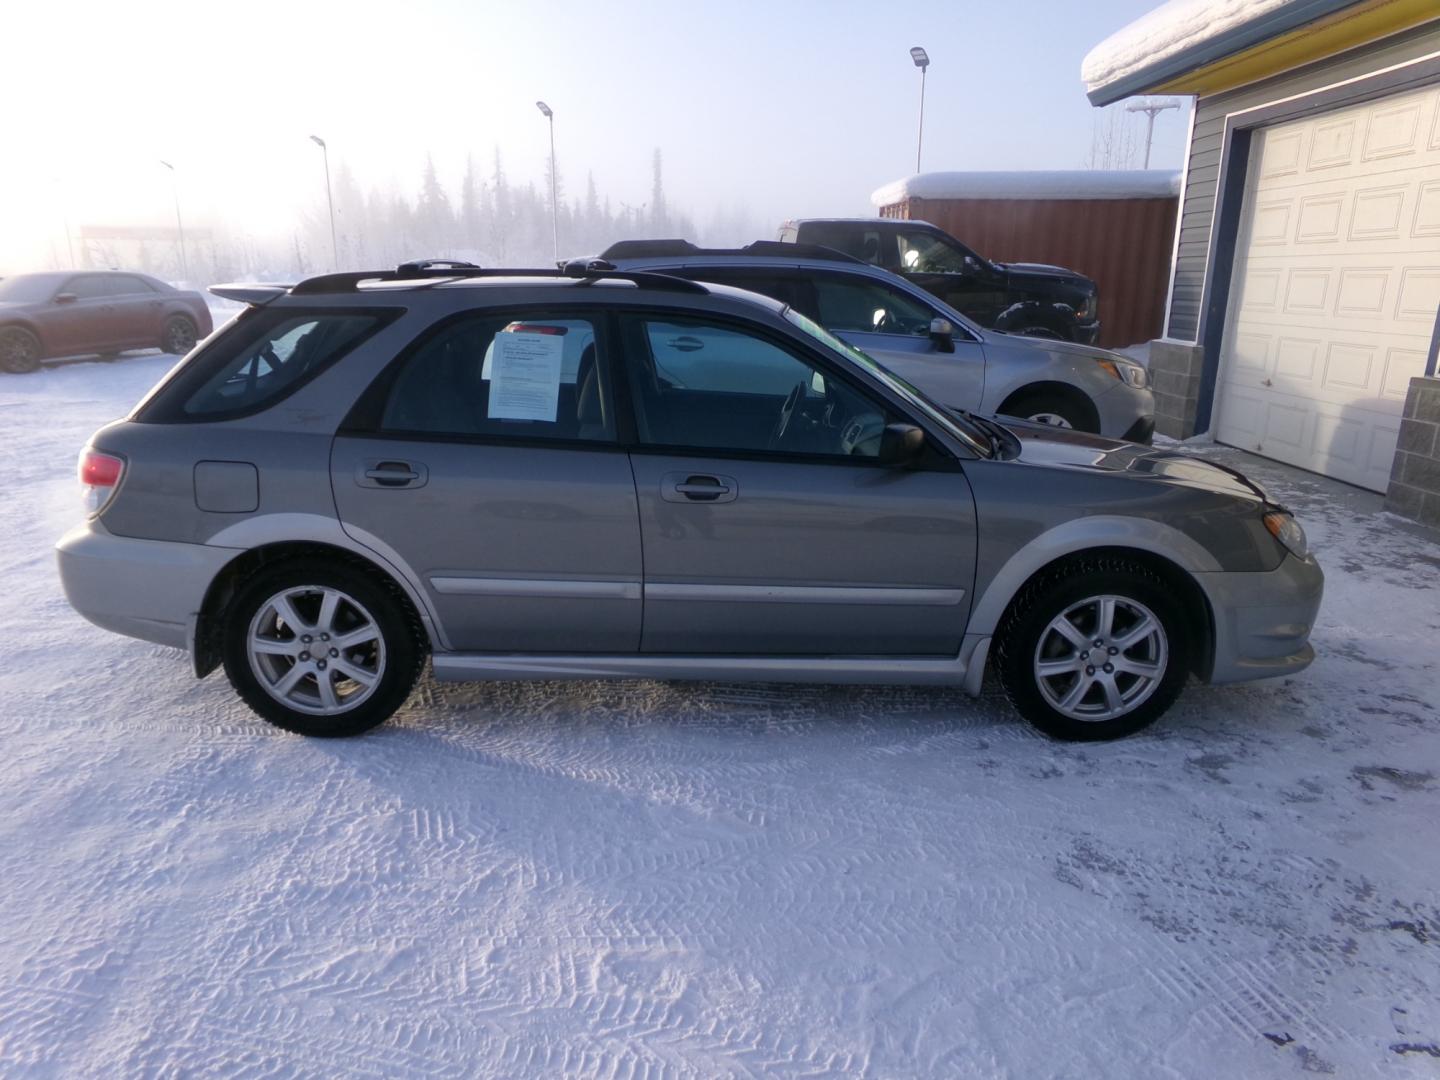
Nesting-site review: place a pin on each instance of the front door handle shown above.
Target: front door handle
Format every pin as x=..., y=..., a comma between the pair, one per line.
x=391, y=474
x=698, y=487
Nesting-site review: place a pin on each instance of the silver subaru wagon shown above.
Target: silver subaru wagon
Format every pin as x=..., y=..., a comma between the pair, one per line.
x=589, y=474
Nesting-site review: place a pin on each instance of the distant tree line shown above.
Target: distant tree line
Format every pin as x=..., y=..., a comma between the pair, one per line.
x=491, y=220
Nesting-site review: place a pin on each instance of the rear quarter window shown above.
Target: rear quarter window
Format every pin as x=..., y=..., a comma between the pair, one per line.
x=259, y=361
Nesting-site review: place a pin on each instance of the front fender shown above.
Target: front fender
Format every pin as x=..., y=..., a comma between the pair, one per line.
x=1075, y=536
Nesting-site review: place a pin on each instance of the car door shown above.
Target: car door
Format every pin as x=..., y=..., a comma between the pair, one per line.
x=769, y=525
x=80, y=315
x=486, y=460
x=894, y=328
x=137, y=310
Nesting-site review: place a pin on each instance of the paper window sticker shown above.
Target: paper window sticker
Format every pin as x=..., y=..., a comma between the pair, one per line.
x=525, y=377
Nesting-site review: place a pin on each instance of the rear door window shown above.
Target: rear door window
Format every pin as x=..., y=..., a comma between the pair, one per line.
x=521, y=376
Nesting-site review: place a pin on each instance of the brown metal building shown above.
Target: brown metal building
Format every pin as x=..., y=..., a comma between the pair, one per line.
x=1117, y=228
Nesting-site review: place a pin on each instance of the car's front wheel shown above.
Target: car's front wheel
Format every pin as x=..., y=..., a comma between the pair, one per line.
x=1095, y=648
x=20, y=350
x=179, y=335
x=320, y=649
x=1052, y=409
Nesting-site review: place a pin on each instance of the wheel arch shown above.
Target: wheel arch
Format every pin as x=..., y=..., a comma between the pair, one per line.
x=25, y=324
x=1161, y=548
x=1067, y=391
x=206, y=634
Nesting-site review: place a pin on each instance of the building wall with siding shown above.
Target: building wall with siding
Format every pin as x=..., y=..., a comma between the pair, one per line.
x=1123, y=245
x=1197, y=201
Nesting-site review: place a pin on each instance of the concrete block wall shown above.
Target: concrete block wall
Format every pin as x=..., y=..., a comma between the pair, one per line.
x=1414, y=490
x=1175, y=382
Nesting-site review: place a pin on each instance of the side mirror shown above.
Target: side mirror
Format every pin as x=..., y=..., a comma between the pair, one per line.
x=65, y=298
x=942, y=334
x=901, y=443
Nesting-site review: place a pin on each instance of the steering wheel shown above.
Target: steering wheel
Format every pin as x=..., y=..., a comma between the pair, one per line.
x=782, y=426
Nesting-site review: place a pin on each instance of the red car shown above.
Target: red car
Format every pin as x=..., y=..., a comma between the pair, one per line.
x=94, y=312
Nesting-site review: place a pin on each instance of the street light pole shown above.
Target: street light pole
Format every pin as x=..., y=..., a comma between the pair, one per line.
x=922, y=61
x=1150, y=109
x=179, y=225
x=554, y=182
x=330, y=201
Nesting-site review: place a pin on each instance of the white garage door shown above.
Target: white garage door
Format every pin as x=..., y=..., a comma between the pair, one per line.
x=1336, y=282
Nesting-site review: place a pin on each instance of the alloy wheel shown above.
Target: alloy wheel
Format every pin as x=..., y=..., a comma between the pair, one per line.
x=1101, y=658
x=316, y=649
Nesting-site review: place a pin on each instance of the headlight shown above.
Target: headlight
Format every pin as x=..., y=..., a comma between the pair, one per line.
x=1287, y=530
x=1128, y=373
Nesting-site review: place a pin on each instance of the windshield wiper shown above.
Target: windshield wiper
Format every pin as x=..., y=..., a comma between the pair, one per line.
x=998, y=434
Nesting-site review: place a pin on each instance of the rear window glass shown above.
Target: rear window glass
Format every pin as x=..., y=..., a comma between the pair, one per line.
x=261, y=359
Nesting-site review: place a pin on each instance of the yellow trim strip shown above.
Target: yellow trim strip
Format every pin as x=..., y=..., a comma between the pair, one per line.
x=1333, y=34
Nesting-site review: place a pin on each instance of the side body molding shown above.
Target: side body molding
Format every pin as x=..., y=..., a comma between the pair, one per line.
x=1076, y=535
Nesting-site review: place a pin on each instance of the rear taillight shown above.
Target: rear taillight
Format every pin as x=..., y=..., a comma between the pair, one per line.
x=99, y=477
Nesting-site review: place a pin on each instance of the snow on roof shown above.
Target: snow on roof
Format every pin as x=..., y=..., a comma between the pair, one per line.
x=1172, y=28
x=1065, y=184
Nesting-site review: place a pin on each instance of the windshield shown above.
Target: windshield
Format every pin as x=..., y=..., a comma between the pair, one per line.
x=26, y=288
x=956, y=425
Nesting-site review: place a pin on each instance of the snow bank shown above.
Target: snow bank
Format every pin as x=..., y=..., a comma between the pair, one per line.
x=1060, y=184
x=1170, y=29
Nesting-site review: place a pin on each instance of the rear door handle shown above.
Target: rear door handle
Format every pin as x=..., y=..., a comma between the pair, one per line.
x=698, y=487
x=391, y=474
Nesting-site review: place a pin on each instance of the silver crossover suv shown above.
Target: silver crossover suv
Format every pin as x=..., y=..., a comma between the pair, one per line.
x=920, y=337
x=583, y=474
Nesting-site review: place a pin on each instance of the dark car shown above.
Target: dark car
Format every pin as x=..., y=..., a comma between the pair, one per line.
x=100, y=312
x=1019, y=298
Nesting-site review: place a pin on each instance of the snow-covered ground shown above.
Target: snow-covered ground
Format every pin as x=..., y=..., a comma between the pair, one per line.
x=650, y=880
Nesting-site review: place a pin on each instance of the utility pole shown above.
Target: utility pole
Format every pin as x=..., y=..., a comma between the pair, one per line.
x=1150, y=109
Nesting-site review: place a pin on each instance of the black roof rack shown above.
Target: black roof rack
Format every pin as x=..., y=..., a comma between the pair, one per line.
x=436, y=271
x=662, y=249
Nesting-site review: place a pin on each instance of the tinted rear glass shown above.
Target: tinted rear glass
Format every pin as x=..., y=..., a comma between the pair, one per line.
x=27, y=288
x=260, y=360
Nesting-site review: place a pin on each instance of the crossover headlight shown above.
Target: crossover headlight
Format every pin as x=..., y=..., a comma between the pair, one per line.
x=1287, y=530
x=1129, y=373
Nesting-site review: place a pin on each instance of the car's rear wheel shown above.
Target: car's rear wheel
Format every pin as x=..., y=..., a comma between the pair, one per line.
x=321, y=649
x=179, y=335
x=20, y=350
x=1095, y=648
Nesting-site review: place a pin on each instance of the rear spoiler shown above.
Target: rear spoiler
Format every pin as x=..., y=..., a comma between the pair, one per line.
x=257, y=294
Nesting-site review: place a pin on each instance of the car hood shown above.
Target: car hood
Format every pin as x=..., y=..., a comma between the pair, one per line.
x=1044, y=270
x=1068, y=449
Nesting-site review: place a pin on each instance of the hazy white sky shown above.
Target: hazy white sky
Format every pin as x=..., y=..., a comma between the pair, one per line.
x=787, y=108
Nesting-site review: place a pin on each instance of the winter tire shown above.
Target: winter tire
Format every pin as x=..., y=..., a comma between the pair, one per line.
x=1054, y=410
x=1094, y=649
x=20, y=350
x=179, y=335
x=321, y=649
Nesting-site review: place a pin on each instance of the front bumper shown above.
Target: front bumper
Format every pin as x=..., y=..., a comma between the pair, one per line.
x=147, y=589
x=1126, y=412
x=1086, y=333
x=1263, y=620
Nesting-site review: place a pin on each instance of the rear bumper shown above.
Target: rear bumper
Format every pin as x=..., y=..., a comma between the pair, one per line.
x=1263, y=621
x=147, y=589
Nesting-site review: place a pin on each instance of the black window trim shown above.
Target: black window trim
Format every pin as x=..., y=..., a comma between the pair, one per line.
x=947, y=461
x=363, y=419
x=161, y=408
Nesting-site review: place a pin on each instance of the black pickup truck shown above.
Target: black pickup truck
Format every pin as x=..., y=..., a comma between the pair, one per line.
x=1018, y=298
